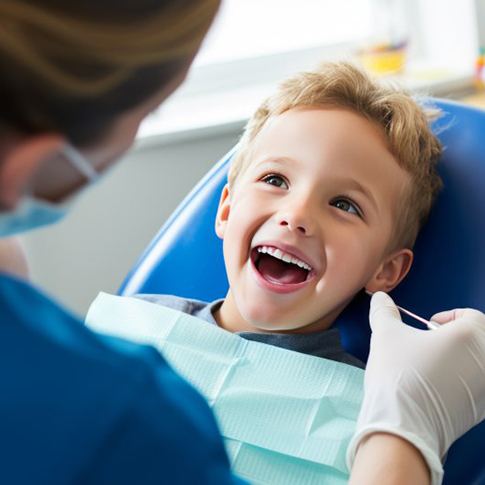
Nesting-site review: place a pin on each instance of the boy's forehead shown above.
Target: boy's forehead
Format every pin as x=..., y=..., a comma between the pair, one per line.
x=321, y=123
x=332, y=135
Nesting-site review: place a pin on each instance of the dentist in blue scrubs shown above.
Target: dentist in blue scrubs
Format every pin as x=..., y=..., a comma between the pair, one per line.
x=76, y=80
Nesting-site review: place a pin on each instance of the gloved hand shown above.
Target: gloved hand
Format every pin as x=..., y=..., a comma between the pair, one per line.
x=426, y=386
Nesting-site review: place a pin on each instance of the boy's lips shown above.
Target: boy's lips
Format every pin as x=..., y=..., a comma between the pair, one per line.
x=280, y=267
x=291, y=250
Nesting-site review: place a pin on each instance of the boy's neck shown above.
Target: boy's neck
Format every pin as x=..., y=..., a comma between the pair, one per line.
x=228, y=317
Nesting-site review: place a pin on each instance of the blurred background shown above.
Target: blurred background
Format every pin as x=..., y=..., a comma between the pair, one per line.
x=433, y=47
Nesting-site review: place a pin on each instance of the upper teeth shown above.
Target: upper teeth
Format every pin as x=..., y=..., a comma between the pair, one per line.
x=287, y=258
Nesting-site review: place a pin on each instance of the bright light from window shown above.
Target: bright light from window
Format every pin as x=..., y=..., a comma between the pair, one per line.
x=251, y=28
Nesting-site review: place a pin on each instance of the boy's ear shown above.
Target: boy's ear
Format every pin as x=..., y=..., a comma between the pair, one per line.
x=223, y=210
x=391, y=271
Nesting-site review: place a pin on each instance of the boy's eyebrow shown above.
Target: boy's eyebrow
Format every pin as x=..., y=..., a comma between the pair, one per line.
x=355, y=184
x=274, y=161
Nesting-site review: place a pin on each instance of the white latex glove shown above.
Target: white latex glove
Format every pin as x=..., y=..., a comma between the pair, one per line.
x=426, y=386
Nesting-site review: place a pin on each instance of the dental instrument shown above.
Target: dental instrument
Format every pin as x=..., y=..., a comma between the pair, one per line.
x=430, y=324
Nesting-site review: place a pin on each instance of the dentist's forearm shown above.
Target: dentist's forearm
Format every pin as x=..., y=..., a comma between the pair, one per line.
x=387, y=459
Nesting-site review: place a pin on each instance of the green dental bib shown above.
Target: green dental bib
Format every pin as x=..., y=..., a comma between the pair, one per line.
x=286, y=417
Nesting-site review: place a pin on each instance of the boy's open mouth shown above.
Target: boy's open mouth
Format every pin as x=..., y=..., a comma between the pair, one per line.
x=279, y=267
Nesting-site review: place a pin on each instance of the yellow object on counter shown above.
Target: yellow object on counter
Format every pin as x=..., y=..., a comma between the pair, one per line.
x=382, y=62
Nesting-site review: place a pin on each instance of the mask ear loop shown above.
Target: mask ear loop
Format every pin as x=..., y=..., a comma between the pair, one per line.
x=80, y=163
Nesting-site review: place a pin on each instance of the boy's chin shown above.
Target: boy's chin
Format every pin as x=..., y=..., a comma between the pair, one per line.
x=265, y=323
x=273, y=324
x=281, y=322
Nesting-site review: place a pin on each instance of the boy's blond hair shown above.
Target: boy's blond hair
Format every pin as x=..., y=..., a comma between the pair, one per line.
x=404, y=122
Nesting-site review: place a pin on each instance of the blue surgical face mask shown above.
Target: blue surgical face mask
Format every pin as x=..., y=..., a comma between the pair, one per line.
x=32, y=213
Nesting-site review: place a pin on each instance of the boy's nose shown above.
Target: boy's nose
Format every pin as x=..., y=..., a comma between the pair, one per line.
x=297, y=221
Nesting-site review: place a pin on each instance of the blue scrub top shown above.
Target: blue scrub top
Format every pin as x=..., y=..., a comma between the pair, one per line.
x=77, y=407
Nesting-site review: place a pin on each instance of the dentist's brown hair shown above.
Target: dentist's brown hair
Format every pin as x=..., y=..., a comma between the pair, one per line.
x=73, y=66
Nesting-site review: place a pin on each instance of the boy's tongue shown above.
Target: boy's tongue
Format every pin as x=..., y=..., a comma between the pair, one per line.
x=277, y=271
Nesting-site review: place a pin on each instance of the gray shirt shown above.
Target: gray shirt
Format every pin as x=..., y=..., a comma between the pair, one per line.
x=324, y=344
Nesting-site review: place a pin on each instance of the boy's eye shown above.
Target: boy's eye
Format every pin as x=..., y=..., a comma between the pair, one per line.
x=346, y=206
x=276, y=180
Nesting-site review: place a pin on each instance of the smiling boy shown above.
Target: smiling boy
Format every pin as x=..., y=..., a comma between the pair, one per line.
x=333, y=178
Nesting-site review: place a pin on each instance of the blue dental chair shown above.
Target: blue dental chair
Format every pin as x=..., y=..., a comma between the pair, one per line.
x=185, y=257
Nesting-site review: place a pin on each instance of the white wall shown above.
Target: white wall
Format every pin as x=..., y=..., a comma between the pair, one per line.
x=445, y=31
x=94, y=248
